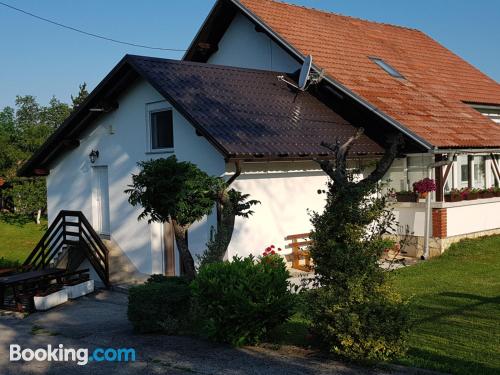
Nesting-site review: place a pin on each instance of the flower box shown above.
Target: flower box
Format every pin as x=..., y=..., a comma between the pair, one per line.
x=471, y=196
x=43, y=303
x=486, y=194
x=453, y=198
x=80, y=290
x=406, y=197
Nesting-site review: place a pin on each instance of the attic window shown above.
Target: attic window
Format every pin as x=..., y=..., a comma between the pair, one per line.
x=491, y=111
x=388, y=69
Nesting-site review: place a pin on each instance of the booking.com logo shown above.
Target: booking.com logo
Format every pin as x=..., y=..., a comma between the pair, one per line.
x=61, y=354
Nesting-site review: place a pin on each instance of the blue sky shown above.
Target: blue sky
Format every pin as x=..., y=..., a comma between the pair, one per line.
x=43, y=60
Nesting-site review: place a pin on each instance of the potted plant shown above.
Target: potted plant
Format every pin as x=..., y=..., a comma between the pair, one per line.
x=406, y=196
x=453, y=196
x=424, y=187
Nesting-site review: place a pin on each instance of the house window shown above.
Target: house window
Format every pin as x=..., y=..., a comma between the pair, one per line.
x=490, y=111
x=385, y=66
x=161, y=130
x=463, y=171
x=416, y=169
x=479, y=172
x=159, y=127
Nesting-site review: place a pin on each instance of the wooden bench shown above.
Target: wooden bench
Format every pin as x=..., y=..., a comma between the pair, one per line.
x=298, y=243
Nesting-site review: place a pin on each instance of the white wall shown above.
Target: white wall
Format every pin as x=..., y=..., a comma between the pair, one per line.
x=69, y=182
x=411, y=217
x=480, y=215
x=243, y=46
x=286, y=192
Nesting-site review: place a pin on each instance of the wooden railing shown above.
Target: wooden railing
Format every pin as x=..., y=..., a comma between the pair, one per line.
x=299, y=244
x=71, y=229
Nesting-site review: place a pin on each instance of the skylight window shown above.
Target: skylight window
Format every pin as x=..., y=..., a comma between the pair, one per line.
x=388, y=69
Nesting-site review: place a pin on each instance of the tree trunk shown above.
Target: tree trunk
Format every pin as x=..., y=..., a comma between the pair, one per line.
x=38, y=216
x=182, y=245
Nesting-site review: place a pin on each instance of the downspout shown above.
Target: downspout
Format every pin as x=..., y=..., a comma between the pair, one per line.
x=428, y=213
x=237, y=165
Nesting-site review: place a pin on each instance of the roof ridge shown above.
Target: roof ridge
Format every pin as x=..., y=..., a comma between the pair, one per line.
x=322, y=11
x=204, y=65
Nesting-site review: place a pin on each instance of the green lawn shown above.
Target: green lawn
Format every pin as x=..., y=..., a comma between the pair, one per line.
x=456, y=310
x=17, y=240
x=456, y=303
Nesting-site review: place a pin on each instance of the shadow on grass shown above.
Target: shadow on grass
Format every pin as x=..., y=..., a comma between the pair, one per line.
x=427, y=359
x=459, y=301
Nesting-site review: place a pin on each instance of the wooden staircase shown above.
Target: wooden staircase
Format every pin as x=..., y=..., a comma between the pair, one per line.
x=70, y=235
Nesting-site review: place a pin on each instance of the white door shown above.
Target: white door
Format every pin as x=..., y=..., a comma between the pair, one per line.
x=100, y=197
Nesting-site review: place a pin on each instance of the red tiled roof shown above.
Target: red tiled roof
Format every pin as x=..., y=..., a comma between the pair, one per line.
x=429, y=102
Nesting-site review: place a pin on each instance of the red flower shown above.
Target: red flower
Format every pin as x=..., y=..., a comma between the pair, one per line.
x=279, y=248
x=272, y=246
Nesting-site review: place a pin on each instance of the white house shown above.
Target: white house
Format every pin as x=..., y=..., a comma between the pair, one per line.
x=225, y=109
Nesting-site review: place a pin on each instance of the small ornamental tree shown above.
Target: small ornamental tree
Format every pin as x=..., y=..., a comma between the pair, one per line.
x=230, y=204
x=354, y=312
x=176, y=192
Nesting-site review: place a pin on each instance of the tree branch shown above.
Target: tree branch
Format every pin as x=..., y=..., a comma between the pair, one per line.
x=338, y=172
x=385, y=163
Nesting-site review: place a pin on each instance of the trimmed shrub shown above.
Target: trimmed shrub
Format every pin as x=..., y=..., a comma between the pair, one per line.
x=355, y=325
x=161, y=305
x=239, y=302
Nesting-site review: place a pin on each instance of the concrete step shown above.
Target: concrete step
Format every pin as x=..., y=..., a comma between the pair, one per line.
x=121, y=268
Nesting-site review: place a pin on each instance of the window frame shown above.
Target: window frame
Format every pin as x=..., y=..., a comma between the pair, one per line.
x=386, y=67
x=152, y=108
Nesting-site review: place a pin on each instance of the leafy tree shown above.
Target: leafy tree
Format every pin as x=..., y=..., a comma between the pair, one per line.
x=81, y=96
x=54, y=114
x=176, y=192
x=22, y=131
x=29, y=197
x=354, y=312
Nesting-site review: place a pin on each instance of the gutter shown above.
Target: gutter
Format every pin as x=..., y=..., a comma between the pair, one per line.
x=465, y=151
x=298, y=55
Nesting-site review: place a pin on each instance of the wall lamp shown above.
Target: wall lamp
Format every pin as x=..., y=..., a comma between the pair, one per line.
x=94, y=154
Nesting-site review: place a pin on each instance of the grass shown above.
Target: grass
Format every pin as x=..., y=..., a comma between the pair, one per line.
x=456, y=306
x=455, y=303
x=17, y=240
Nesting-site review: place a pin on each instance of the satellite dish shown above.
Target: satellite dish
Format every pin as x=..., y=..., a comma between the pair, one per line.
x=306, y=77
x=305, y=71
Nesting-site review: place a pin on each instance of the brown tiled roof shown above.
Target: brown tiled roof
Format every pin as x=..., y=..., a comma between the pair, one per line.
x=429, y=101
x=244, y=113
x=249, y=112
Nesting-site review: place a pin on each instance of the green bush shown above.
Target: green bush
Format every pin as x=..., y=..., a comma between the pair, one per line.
x=355, y=325
x=239, y=302
x=161, y=305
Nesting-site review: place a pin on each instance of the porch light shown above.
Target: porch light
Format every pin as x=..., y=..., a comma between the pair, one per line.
x=94, y=154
